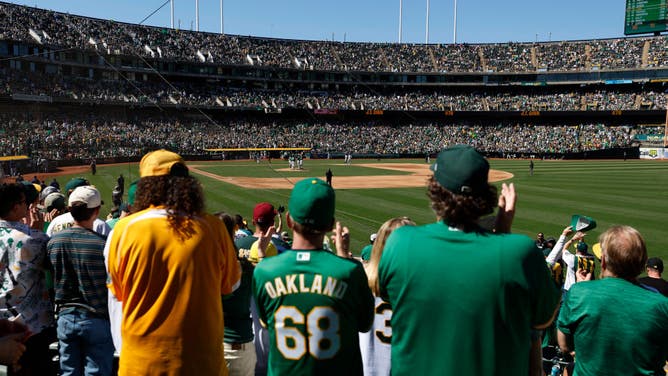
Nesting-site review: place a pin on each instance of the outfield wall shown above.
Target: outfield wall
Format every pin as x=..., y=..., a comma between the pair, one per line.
x=654, y=153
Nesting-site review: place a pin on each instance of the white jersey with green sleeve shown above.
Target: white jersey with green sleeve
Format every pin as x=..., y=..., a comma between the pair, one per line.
x=376, y=343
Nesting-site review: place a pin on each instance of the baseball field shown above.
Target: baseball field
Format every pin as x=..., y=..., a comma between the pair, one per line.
x=633, y=192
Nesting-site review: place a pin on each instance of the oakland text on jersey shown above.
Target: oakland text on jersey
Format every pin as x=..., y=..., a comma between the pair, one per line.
x=299, y=284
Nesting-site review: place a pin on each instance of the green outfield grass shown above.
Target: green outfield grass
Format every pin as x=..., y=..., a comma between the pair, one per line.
x=612, y=192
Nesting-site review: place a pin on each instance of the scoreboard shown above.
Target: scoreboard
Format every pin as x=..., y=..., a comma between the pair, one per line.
x=645, y=16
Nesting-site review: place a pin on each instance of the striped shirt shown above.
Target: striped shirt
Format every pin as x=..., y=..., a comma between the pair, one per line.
x=79, y=272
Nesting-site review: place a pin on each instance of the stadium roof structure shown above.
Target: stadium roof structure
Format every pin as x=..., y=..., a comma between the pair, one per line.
x=14, y=158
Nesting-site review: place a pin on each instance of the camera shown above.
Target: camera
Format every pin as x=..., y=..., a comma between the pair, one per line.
x=281, y=209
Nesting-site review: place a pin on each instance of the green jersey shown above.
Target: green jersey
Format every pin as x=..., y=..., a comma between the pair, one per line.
x=236, y=308
x=314, y=304
x=471, y=297
x=618, y=328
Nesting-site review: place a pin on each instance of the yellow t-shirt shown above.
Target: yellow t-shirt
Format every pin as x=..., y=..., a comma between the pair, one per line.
x=253, y=253
x=170, y=286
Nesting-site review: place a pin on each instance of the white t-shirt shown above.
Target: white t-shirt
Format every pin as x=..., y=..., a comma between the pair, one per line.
x=65, y=220
x=375, y=344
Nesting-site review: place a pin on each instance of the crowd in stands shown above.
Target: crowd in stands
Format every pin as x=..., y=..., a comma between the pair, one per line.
x=60, y=30
x=214, y=95
x=94, y=136
x=78, y=278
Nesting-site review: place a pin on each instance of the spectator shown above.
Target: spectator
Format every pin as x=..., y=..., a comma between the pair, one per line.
x=23, y=293
x=614, y=325
x=240, y=354
x=365, y=253
x=375, y=344
x=77, y=256
x=540, y=240
x=169, y=262
x=242, y=227
x=654, y=269
x=573, y=262
x=332, y=302
x=66, y=220
x=487, y=289
x=255, y=248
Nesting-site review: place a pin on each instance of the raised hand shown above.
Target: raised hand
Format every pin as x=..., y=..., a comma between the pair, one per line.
x=506, y=214
x=263, y=241
x=341, y=238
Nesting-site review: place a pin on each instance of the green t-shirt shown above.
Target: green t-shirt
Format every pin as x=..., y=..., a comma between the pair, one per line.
x=472, y=298
x=314, y=304
x=618, y=328
x=244, y=244
x=236, y=308
x=366, y=252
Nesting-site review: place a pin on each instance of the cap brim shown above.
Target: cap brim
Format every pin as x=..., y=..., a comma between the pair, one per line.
x=596, y=250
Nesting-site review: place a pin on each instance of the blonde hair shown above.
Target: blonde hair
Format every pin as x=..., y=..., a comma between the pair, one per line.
x=377, y=250
x=624, y=251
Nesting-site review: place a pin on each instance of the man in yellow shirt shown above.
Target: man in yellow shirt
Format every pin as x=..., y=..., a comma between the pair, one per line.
x=169, y=263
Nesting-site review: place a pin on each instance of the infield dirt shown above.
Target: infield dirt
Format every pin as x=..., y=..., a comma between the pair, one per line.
x=417, y=178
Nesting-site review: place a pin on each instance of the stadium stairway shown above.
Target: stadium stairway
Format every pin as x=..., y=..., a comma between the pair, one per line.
x=483, y=61
x=587, y=56
x=434, y=64
x=645, y=54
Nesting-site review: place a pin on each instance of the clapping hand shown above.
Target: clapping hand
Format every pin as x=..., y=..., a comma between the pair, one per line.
x=341, y=238
x=506, y=214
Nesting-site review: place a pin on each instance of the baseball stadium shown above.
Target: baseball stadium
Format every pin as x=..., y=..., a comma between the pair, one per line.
x=579, y=128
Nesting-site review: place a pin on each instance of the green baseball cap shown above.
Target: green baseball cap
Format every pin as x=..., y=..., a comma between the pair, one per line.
x=582, y=223
x=54, y=200
x=74, y=183
x=312, y=203
x=461, y=170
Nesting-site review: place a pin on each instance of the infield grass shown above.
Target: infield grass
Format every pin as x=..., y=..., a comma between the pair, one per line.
x=633, y=192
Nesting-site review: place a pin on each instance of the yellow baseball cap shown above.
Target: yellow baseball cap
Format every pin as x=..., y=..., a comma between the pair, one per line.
x=162, y=162
x=596, y=249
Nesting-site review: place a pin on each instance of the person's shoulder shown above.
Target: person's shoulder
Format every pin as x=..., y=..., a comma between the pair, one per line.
x=62, y=218
x=517, y=242
x=245, y=241
x=58, y=236
x=409, y=231
x=65, y=217
x=39, y=235
x=211, y=218
x=272, y=266
x=320, y=259
x=132, y=219
x=99, y=222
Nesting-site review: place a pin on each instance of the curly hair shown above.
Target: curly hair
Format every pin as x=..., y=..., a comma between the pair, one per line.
x=182, y=197
x=461, y=211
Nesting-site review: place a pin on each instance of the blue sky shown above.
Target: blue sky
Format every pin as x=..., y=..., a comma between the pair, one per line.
x=479, y=21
